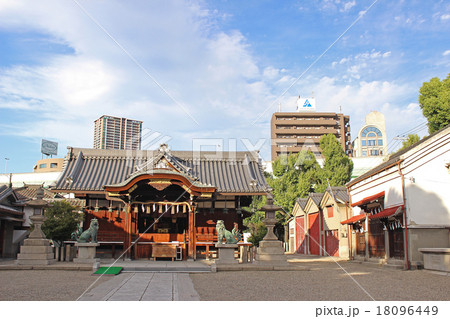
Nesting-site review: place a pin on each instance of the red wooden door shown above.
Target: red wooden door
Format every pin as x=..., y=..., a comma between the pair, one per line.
x=314, y=234
x=396, y=243
x=332, y=242
x=300, y=234
x=361, y=244
x=376, y=239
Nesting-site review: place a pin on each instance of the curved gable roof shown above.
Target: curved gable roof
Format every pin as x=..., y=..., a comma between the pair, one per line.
x=229, y=172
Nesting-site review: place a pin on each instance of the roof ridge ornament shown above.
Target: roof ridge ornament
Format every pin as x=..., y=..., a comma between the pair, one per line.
x=164, y=148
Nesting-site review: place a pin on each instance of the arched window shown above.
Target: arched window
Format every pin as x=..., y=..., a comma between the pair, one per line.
x=371, y=141
x=371, y=131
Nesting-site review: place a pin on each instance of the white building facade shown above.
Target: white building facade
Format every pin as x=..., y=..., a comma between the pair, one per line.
x=405, y=202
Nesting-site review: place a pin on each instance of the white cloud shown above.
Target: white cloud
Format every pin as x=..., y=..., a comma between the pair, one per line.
x=210, y=73
x=447, y=52
x=348, y=5
x=445, y=17
x=213, y=74
x=342, y=6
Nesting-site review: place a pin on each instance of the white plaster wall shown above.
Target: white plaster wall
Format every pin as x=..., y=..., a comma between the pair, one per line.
x=427, y=189
x=19, y=179
x=427, y=184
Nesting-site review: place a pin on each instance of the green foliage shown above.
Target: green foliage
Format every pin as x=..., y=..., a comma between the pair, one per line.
x=412, y=139
x=254, y=223
x=434, y=100
x=337, y=167
x=295, y=176
x=61, y=221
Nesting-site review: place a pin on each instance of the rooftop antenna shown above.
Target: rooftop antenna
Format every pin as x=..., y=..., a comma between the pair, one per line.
x=340, y=109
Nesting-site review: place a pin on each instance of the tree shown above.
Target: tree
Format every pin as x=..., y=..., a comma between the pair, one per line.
x=412, y=139
x=434, y=101
x=295, y=176
x=62, y=220
x=337, y=167
x=255, y=223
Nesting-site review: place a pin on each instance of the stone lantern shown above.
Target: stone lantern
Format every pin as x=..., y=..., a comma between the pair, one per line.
x=270, y=250
x=269, y=210
x=36, y=249
x=38, y=217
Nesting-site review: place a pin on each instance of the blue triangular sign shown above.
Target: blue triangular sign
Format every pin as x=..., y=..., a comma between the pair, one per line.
x=307, y=104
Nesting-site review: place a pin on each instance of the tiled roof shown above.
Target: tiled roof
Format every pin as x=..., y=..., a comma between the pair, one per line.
x=92, y=169
x=339, y=192
x=316, y=197
x=10, y=210
x=302, y=202
x=5, y=190
x=29, y=192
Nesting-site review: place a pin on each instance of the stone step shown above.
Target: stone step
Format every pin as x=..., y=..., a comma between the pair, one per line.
x=31, y=256
x=35, y=261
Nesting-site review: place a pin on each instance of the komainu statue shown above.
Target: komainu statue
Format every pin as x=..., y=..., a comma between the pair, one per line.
x=90, y=233
x=230, y=237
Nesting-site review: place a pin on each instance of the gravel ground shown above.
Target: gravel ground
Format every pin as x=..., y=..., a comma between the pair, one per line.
x=49, y=285
x=325, y=281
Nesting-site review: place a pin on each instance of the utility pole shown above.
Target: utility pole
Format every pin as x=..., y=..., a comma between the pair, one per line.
x=6, y=163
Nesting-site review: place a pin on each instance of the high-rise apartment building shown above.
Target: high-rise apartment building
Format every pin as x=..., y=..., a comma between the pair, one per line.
x=117, y=133
x=292, y=132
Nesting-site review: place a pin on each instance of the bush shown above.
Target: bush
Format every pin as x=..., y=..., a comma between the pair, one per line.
x=62, y=220
x=258, y=233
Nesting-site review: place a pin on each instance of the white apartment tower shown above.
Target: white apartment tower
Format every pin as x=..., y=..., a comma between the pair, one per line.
x=117, y=133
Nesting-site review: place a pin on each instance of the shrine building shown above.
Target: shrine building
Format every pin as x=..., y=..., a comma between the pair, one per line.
x=147, y=197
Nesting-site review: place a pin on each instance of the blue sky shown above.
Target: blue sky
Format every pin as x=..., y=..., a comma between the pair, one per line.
x=207, y=72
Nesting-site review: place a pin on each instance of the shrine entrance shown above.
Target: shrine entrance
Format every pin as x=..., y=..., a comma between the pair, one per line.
x=161, y=213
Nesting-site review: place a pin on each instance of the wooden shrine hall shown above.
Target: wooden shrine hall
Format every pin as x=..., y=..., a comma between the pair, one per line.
x=148, y=199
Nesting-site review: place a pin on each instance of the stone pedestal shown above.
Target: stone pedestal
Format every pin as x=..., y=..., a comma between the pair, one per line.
x=226, y=253
x=36, y=249
x=86, y=253
x=271, y=252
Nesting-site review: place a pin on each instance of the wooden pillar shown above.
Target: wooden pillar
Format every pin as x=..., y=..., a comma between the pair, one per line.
x=128, y=231
x=191, y=237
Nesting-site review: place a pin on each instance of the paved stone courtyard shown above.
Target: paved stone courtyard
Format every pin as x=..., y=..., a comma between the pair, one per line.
x=325, y=280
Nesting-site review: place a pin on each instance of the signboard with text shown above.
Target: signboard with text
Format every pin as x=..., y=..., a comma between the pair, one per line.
x=49, y=147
